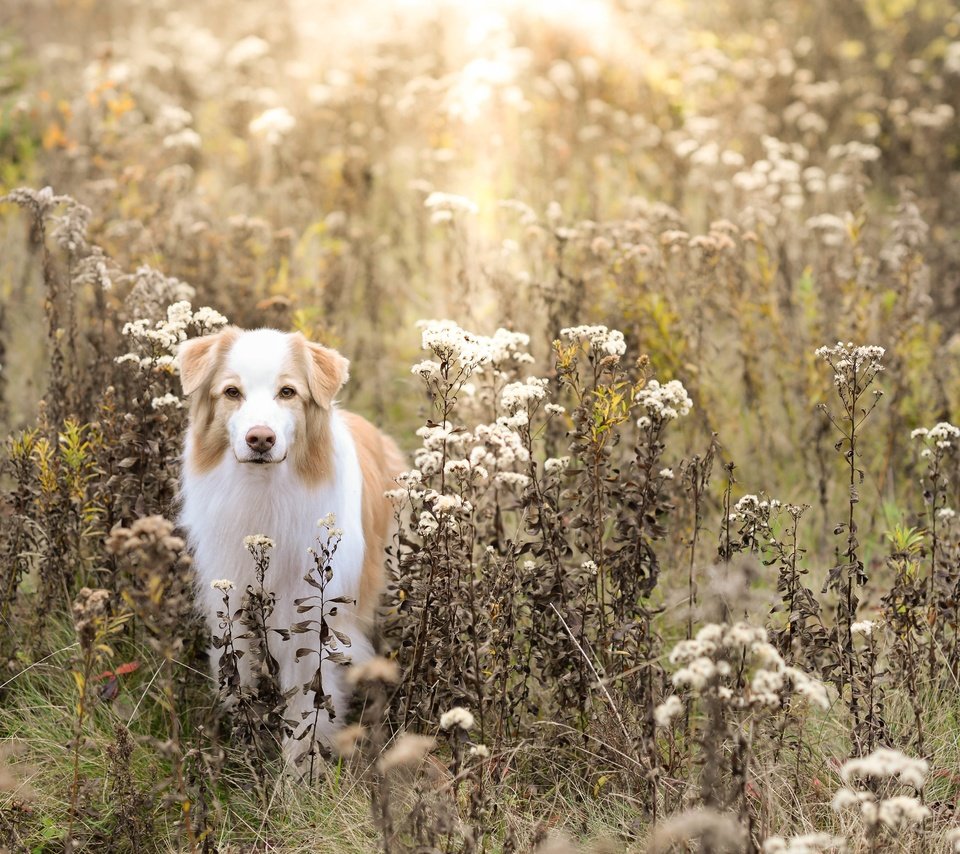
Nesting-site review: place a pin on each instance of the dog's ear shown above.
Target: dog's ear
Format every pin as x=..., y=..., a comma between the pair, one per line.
x=195, y=358
x=327, y=371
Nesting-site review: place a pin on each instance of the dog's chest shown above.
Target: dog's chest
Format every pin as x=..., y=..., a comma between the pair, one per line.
x=232, y=502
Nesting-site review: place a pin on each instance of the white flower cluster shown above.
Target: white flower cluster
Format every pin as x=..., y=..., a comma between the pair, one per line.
x=942, y=436
x=427, y=524
x=186, y=139
x=807, y=843
x=512, y=478
x=439, y=439
x=165, y=400
x=885, y=764
x=246, y=51
x=443, y=206
x=159, y=341
x=426, y=369
x=222, y=584
x=894, y=813
x=520, y=395
x=831, y=229
x=752, y=508
x=953, y=835
x=273, y=125
x=664, y=714
x=466, y=471
x=497, y=446
x=451, y=344
x=706, y=668
x=663, y=402
x=848, y=360
x=448, y=505
x=254, y=541
x=556, y=465
x=602, y=340
x=855, y=150
x=489, y=447
x=457, y=717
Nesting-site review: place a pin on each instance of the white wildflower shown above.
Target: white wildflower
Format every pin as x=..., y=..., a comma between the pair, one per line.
x=450, y=203
x=808, y=687
x=848, y=360
x=257, y=541
x=166, y=400
x=222, y=584
x=663, y=402
x=664, y=714
x=902, y=811
x=744, y=635
x=602, y=340
x=886, y=763
x=953, y=835
x=426, y=369
x=247, y=50
x=449, y=504
x=187, y=139
x=457, y=717
x=808, y=843
x=522, y=394
x=512, y=479
x=206, y=318
x=273, y=124
x=844, y=799
x=427, y=524
x=696, y=674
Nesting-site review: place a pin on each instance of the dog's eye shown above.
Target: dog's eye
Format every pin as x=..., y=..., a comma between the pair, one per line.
x=287, y=392
x=232, y=392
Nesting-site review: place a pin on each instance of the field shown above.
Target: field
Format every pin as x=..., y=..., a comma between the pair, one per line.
x=661, y=301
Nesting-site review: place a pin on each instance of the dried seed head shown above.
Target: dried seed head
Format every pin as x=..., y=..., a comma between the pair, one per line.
x=457, y=717
x=89, y=607
x=407, y=750
x=377, y=669
x=715, y=831
x=347, y=741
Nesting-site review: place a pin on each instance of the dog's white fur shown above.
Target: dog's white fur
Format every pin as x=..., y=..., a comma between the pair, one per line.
x=226, y=499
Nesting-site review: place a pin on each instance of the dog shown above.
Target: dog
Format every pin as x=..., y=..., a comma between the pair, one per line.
x=268, y=451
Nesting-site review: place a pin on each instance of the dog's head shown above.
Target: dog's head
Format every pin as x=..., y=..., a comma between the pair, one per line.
x=259, y=397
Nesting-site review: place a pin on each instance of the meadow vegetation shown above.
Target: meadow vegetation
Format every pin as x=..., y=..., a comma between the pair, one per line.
x=662, y=301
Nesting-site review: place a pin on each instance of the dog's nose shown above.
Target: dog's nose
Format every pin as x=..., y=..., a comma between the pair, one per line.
x=261, y=439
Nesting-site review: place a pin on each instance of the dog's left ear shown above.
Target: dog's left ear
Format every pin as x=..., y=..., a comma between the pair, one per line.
x=327, y=371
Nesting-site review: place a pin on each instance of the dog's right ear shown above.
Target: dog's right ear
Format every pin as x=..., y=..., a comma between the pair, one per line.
x=195, y=358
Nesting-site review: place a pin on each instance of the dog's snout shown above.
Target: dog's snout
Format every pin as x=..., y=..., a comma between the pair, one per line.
x=261, y=439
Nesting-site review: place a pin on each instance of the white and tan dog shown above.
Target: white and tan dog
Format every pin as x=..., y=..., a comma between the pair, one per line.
x=269, y=452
